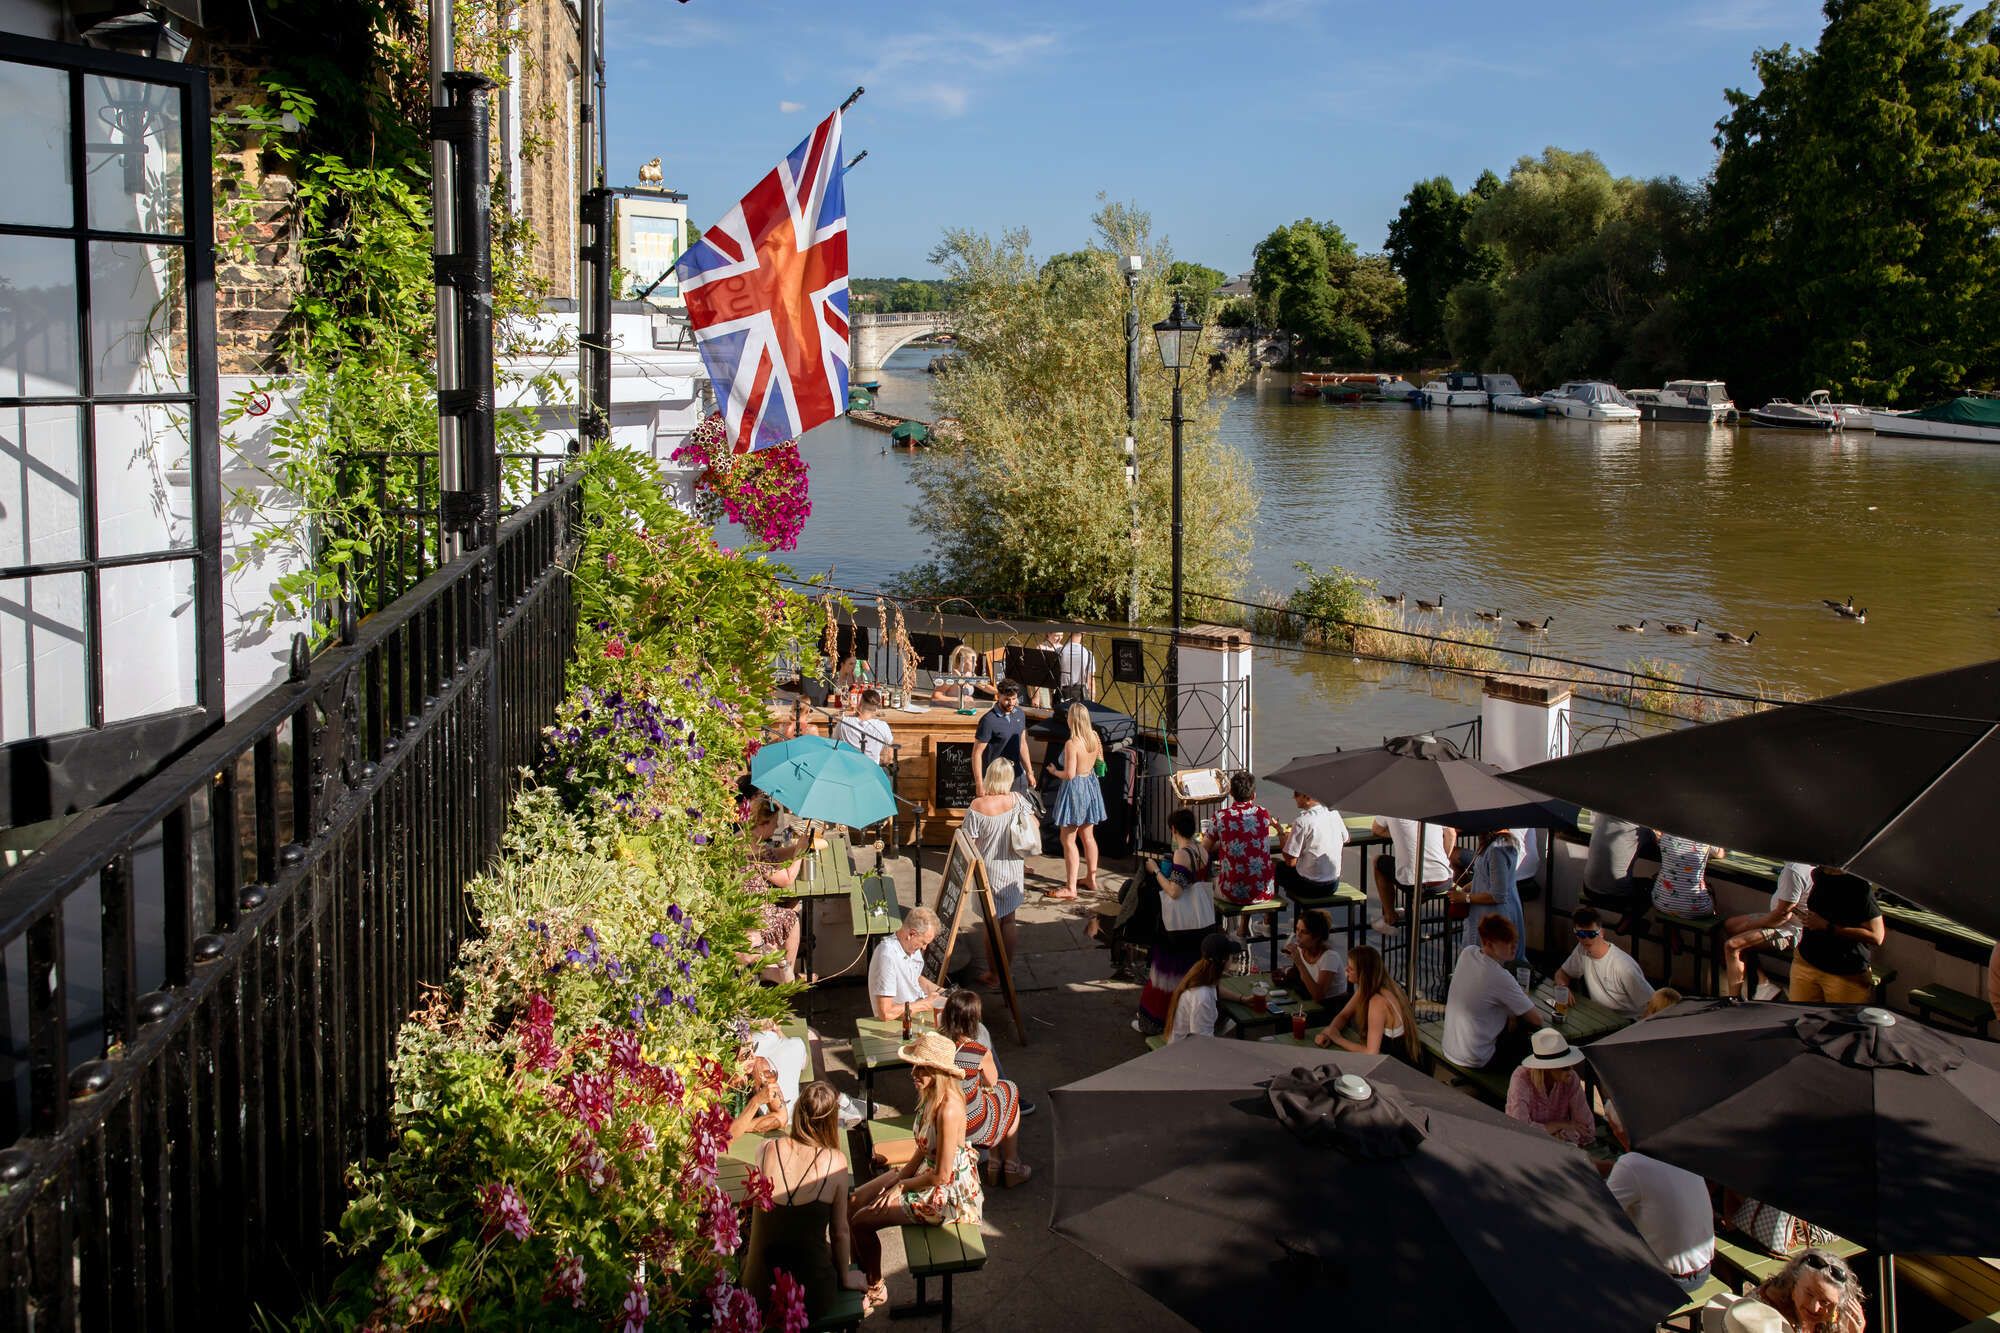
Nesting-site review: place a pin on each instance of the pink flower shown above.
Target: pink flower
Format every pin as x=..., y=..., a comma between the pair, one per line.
x=566, y=1281
x=587, y=1098
x=537, y=1034
x=788, y=1303
x=503, y=1210
x=758, y=1186
x=616, y=648
x=587, y=1159
x=639, y=1137
x=719, y=1226
x=624, y=1052
x=636, y=1307
x=732, y=1309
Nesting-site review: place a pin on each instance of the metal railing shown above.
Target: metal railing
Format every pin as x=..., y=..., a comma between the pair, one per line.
x=214, y=969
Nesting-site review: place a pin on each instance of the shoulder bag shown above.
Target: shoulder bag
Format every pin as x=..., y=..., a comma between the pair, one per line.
x=1025, y=834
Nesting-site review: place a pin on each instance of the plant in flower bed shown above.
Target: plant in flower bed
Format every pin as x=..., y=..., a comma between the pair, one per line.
x=765, y=491
x=561, y=1105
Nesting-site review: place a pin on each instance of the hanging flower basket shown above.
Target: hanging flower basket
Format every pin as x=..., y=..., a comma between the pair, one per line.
x=765, y=492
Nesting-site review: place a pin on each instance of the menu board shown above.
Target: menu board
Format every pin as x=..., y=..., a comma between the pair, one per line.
x=954, y=784
x=960, y=865
x=1128, y=661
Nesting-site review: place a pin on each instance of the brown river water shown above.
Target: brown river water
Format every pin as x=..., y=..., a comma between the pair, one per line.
x=1591, y=523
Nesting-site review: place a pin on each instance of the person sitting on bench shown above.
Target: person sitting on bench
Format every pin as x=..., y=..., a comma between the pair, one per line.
x=896, y=980
x=804, y=1232
x=1483, y=1002
x=1777, y=928
x=1312, y=851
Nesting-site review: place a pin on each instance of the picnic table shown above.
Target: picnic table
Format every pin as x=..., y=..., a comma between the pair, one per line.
x=877, y=1042
x=1232, y=995
x=1586, y=1021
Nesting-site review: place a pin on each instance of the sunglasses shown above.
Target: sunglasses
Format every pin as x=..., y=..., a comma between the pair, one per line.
x=1588, y=934
x=1833, y=1270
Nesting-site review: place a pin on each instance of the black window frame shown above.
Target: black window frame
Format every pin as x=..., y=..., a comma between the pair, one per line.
x=44, y=777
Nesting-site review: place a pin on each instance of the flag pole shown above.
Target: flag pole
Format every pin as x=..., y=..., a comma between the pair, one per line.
x=852, y=98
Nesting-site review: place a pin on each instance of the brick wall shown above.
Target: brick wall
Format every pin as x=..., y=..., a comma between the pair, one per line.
x=257, y=271
x=552, y=58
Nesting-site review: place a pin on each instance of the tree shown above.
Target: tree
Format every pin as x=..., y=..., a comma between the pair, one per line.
x=1336, y=304
x=1195, y=284
x=1427, y=245
x=1548, y=206
x=1853, y=242
x=1026, y=503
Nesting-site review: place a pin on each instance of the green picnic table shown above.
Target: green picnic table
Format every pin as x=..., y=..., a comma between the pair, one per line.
x=733, y=1168
x=1586, y=1021
x=876, y=1043
x=1233, y=998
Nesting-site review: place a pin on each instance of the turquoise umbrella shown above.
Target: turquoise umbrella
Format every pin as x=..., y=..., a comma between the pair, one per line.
x=829, y=781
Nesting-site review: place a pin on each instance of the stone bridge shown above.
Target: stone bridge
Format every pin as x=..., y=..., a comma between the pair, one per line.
x=874, y=337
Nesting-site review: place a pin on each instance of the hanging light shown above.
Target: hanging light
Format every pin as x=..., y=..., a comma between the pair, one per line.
x=1179, y=338
x=141, y=33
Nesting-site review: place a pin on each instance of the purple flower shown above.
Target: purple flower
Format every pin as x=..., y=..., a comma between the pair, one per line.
x=701, y=840
x=638, y=1012
x=665, y=997
x=572, y=956
x=675, y=914
x=659, y=941
x=590, y=934
x=701, y=946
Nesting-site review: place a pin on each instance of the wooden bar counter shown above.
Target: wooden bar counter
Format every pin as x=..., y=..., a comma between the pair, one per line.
x=933, y=764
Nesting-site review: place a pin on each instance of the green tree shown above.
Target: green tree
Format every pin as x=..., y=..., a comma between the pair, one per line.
x=1427, y=245
x=1853, y=238
x=1548, y=206
x=1026, y=503
x=1195, y=284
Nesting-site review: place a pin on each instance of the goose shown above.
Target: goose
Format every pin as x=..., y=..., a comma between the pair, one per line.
x=1493, y=615
x=1438, y=605
x=1726, y=637
x=1535, y=627
x=1675, y=628
x=1859, y=617
x=1832, y=605
x=1639, y=628
x=1393, y=598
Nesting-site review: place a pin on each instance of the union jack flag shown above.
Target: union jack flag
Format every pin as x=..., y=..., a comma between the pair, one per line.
x=766, y=292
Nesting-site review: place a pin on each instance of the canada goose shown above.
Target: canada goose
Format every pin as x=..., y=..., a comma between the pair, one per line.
x=1675, y=628
x=1535, y=627
x=1493, y=615
x=1726, y=637
x=1832, y=605
x=1859, y=617
x=1639, y=628
x=1438, y=605
x=1393, y=598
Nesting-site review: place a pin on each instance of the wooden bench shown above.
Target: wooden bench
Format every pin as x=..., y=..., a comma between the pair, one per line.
x=1489, y=1085
x=1348, y=906
x=1968, y=1287
x=1688, y=1316
x=1754, y=1265
x=868, y=895
x=939, y=1252
x=1983, y=1324
x=1934, y=1001
x=1268, y=908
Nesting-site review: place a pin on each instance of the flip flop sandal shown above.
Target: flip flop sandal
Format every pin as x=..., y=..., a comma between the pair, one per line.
x=874, y=1299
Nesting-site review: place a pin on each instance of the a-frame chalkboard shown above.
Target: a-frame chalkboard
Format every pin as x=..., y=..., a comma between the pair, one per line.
x=965, y=873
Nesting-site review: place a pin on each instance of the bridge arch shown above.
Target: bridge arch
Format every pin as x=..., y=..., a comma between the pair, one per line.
x=874, y=337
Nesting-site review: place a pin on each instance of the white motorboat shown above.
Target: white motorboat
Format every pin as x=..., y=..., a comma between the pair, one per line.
x=1964, y=418
x=1397, y=389
x=1702, y=402
x=1782, y=413
x=1852, y=416
x=1591, y=400
x=1507, y=397
x=1461, y=388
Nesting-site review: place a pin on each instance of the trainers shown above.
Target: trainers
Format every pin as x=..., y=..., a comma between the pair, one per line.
x=1767, y=991
x=1381, y=927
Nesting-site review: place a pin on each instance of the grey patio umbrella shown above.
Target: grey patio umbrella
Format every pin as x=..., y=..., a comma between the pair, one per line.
x=1871, y=1124
x=1428, y=780
x=1892, y=783
x=1234, y=1183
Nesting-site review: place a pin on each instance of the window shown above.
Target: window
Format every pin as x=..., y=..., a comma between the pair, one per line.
x=109, y=526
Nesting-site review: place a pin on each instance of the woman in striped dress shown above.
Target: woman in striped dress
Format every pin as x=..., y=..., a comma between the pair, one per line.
x=992, y=1103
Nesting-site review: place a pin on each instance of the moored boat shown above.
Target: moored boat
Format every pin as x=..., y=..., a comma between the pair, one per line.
x=1505, y=396
x=1460, y=388
x=1590, y=400
x=1396, y=388
x=1784, y=414
x=1967, y=417
x=1701, y=402
x=1340, y=393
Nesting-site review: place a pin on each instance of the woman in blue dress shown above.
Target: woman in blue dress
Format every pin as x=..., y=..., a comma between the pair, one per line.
x=1493, y=892
x=1079, y=801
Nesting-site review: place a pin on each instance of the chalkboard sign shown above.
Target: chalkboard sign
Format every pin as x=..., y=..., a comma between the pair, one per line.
x=955, y=784
x=965, y=877
x=1128, y=661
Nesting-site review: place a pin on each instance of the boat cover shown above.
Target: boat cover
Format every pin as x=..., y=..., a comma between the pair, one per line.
x=1963, y=411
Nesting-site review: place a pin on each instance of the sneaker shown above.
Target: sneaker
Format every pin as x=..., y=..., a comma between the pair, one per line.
x=850, y=1112
x=1381, y=927
x=1767, y=991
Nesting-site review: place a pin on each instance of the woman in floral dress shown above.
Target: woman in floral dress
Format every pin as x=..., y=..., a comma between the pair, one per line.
x=940, y=1184
x=779, y=858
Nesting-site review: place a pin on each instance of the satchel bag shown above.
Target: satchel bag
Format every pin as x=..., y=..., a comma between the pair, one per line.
x=1193, y=910
x=1775, y=1231
x=1024, y=836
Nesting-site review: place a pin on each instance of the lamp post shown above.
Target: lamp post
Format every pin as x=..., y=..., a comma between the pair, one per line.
x=1132, y=266
x=1179, y=338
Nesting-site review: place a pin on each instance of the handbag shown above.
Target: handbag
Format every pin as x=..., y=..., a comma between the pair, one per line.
x=1775, y=1231
x=1024, y=835
x=1193, y=910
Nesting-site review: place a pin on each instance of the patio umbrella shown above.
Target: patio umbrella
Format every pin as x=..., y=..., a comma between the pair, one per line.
x=1428, y=780
x=1868, y=1123
x=1241, y=1191
x=769, y=758
x=1891, y=783
x=832, y=782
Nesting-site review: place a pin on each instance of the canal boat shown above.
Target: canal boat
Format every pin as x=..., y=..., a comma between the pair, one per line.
x=1460, y=388
x=1590, y=400
x=859, y=399
x=1701, y=402
x=1967, y=417
x=1784, y=414
x=1506, y=396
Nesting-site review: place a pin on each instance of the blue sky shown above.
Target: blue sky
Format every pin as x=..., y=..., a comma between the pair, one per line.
x=1222, y=119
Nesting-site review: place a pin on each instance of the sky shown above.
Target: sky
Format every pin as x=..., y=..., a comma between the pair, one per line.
x=1222, y=119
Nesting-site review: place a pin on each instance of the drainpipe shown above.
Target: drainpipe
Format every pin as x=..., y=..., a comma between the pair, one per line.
x=444, y=244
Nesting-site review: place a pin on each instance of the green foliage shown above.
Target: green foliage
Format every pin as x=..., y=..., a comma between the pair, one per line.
x=1852, y=243
x=1428, y=247
x=1026, y=504
x=1328, y=605
x=1336, y=304
x=1195, y=284
x=899, y=294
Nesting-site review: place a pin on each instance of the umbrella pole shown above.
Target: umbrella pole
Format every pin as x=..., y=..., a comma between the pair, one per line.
x=1415, y=909
x=1885, y=1292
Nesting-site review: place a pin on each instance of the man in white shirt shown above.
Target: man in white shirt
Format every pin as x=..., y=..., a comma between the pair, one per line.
x=865, y=730
x=1484, y=1000
x=1079, y=666
x=1613, y=977
x=896, y=979
x=1312, y=850
x=787, y=1057
x=1777, y=928
x=1668, y=1205
x=1398, y=869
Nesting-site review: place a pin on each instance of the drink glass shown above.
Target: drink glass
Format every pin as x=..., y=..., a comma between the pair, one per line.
x=1299, y=1024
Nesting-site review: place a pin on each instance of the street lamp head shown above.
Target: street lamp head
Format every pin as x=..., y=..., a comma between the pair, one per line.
x=1179, y=337
x=139, y=33
x=1134, y=263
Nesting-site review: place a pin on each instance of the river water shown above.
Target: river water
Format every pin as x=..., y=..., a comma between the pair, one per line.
x=1592, y=524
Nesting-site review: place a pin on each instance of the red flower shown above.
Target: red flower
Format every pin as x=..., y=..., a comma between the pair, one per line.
x=616, y=648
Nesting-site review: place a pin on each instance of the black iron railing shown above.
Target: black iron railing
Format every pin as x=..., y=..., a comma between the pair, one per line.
x=216, y=967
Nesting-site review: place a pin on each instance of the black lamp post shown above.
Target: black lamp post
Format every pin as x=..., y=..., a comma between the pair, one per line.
x=1179, y=338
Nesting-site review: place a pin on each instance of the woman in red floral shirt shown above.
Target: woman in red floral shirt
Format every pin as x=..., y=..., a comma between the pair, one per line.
x=1240, y=842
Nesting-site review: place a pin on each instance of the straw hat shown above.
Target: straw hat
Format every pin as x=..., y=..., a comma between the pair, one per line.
x=1753, y=1316
x=1552, y=1051
x=932, y=1050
